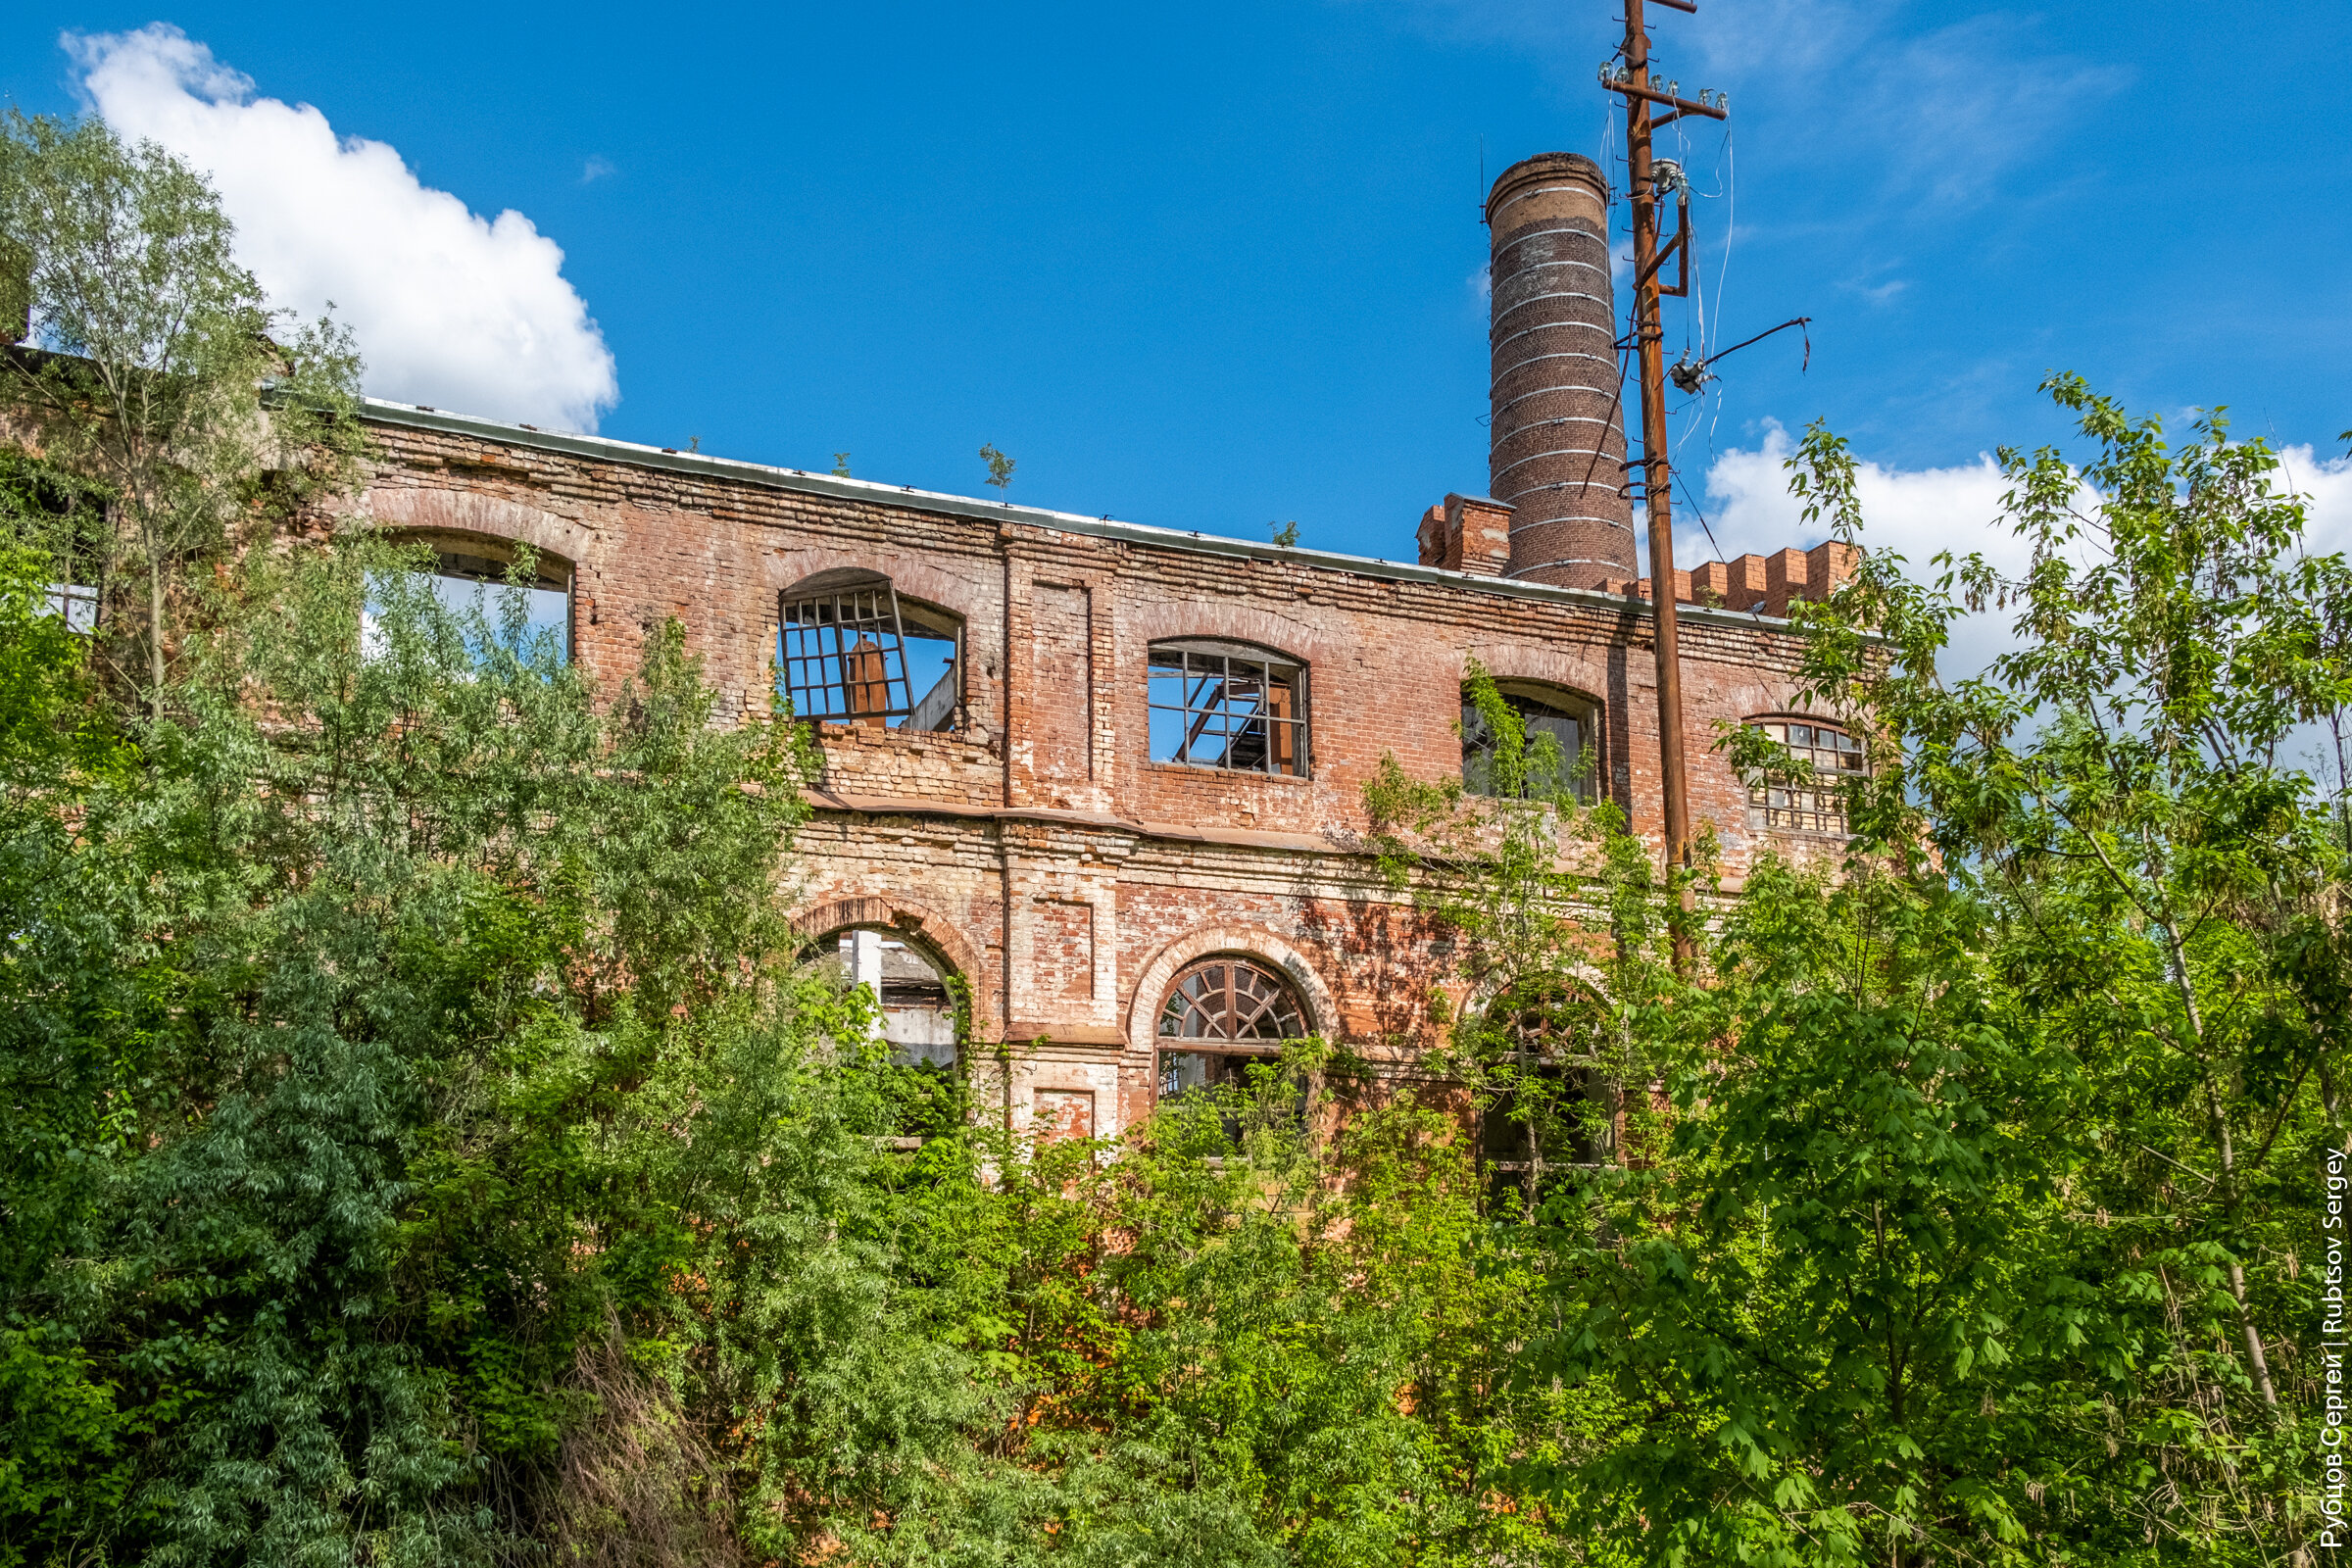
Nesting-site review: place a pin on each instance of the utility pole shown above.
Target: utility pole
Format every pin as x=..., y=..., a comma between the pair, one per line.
x=1642, y=97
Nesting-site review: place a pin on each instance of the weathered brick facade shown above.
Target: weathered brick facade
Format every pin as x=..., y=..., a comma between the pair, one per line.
x=1037, y=851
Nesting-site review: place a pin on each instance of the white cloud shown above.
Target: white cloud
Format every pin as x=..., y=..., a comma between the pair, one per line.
x=1953, y=108
x=450, y=308
x=1920, y=513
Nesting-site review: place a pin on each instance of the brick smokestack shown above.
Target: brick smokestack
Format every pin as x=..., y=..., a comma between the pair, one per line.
x=1553, y=330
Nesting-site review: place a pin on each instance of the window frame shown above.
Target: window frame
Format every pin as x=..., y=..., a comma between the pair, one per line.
x=1243, y=1047
x=1822, y=791
x=1277, y=670
x=875, y=610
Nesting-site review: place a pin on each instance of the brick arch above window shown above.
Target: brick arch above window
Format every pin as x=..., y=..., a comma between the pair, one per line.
x=923, y=926
x=1142, y=625
x=1254, y=942
x=460, y=511
x=915, y=577
x=1586, y=671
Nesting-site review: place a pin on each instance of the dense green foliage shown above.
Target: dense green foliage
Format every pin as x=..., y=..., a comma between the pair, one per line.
x=421, y=1140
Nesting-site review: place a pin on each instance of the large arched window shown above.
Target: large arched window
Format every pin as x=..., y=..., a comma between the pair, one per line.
x=1228, y=705
x=1562, y=730
x=1546, y=1109
x=852, y=652
x=917, y=1009
x=1809, y=795
x=1219, y=1015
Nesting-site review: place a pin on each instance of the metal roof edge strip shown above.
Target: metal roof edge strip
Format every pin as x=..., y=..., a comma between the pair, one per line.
x=701, y=465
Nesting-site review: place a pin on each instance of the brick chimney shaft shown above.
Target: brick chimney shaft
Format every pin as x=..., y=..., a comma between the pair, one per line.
x=1552, y=327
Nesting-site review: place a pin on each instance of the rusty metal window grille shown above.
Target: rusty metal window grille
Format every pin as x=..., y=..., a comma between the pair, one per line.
x=1219, y=1008
x=1227, y=704
x=852, y=652
x=1809, y=797
x=1569, y=722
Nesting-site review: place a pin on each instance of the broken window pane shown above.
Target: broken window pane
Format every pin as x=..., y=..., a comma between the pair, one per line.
x=1227, y=704
x=1810, y=797
x=1562, y=765
x=852, y=652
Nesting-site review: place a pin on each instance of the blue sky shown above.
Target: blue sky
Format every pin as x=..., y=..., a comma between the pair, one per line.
x=1215, y=266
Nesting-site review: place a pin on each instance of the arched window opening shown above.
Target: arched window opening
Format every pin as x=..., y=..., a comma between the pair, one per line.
x=1219, y=1016
x=1228, y=705
x=1809, y=795
x=471, y=574
x=917, y=1009
x=1570, y=722
x=852, y=652
x=1546, y=1111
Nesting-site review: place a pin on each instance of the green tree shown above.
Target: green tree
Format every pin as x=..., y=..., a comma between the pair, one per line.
x=156, y=358
x=1980, y=1236
x=999, y=467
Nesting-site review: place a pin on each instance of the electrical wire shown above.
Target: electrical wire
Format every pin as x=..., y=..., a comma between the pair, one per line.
x=1729, y=182
x=1700, y=516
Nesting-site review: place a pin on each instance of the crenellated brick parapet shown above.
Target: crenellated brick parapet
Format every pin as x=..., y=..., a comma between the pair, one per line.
x=1758, y=585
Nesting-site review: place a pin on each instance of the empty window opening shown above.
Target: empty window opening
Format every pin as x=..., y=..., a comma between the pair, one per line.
x=1560, y=729
x=1228, y=705
x=471, y=577
x=852, y=652
x=918, y=1012
x=1808, y=797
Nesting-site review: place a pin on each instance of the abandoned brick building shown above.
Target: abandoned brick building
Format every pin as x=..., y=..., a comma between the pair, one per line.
x=1110, y=776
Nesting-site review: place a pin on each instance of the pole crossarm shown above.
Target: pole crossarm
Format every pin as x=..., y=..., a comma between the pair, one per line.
x=1681, y=106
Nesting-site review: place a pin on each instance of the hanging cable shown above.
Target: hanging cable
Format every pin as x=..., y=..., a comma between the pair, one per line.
x=1723, y=276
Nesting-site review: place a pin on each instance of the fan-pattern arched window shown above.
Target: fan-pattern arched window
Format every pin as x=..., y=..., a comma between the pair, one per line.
x=1230, y=998
x=1228, y=705
x=1218, y=1016
x=1571, y=724
x=852, y=652
x=1810, y=795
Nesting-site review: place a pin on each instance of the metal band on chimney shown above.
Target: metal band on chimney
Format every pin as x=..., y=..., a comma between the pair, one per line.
x=1572, y=521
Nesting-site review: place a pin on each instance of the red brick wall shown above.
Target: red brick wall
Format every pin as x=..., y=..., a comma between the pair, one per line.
x=1041, y=852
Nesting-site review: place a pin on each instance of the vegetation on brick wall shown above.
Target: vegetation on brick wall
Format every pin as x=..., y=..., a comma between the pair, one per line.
x=422, y=1143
